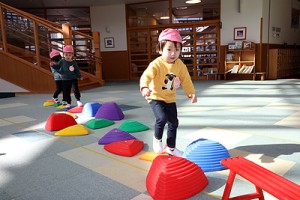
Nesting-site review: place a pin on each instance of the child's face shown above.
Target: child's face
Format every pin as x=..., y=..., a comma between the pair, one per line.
x=170, y=52
x=68, y=56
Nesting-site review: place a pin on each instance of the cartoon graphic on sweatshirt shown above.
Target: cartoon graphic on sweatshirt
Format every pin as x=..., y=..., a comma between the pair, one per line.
x=169, y=81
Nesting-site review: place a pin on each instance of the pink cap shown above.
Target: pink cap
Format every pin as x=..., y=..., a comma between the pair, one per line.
x=68, y=49
x=54, y=53
x=171, y=35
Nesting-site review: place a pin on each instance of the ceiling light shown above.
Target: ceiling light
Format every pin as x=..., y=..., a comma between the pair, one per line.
x=193, y=1
x=164, y=17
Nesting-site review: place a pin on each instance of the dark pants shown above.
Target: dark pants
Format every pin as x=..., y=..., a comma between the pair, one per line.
x=165, y=113
x=67, y=86
x=58, y=88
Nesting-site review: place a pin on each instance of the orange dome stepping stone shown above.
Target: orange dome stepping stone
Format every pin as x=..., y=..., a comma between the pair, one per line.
x=125, y=147
x=59, y=121
x=174, y=178
x=150, y=156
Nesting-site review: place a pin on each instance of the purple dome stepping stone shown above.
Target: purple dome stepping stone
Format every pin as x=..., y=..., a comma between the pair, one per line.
x=98, y=123
x=115, y=135
x=132, y=126
x=110, y=111
x=90, y=109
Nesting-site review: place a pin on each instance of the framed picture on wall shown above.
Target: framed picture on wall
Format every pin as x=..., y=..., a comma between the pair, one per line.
x=240, y=33
x=109, y=42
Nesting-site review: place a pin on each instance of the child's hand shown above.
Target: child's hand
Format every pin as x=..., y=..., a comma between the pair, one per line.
x=146, y=92
x=193, y=98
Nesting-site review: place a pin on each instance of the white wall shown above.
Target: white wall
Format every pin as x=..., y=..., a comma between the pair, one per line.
x=110, y=21
x=275, y=14
x=280, y=17
x=247, y=15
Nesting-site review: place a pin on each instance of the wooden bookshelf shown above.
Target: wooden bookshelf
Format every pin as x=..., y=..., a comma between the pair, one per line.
x=240, y=63
x=200, y=48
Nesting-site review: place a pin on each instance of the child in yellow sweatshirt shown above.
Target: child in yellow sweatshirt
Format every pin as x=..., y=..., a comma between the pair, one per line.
x=158, y=85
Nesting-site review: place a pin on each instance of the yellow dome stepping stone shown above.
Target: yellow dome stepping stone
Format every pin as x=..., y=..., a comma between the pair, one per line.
x=48, y=103
x=75, y=130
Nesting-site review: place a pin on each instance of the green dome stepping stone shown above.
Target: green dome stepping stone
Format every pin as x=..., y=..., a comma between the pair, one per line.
x=131, y=126
x=98, y=123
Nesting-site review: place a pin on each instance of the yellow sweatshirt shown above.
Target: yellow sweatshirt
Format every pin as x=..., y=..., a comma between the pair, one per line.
x=159, y=78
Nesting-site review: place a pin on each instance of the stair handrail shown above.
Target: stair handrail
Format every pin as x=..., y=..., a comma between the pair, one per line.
x=65, y=30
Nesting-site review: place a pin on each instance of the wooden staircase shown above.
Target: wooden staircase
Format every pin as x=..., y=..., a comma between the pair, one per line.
x=26, y=41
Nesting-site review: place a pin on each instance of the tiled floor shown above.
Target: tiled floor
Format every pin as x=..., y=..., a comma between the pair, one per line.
x=255, y=119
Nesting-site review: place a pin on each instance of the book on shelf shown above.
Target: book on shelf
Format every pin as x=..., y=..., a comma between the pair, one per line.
x=246, y=69
x=229, y=57
x=235, y=69
x=238, y=44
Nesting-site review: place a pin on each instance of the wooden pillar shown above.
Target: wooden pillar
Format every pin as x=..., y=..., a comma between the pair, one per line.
x=170, y=12
x=36, y=43
x=260, y=44
x=4, y=41
x=98, y=59
x=67, y=33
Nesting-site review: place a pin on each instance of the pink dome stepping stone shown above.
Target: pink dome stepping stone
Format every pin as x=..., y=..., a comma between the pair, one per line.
x=59, y=121
x=115, y=135
x=127, y=148
x=110, y=111
x=90, y=109
x=77, y=109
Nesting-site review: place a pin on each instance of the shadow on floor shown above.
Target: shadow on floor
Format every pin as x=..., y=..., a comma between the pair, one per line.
x=272, y=150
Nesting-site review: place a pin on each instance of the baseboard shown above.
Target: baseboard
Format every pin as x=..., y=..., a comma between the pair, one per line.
x=7, y=94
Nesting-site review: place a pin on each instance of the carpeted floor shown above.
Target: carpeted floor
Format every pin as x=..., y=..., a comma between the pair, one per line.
x=255, y=119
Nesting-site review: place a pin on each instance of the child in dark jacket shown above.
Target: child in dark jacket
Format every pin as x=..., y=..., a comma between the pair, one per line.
x=55, y=59
x=70, y=73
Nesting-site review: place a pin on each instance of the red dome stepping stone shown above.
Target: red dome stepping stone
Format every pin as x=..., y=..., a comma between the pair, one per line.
x=77, y=109
x=115, y=135
x=58, y=121
x=173, y=178
x=131, y=126
x=98, y=123
x=125, y=147
x=111, y=111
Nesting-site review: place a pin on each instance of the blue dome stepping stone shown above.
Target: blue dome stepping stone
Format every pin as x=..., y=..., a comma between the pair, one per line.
x=131, y=126
x=90, y=109
x=111, y=111
x=98, y=123
x=207, y=154
x=115, y=135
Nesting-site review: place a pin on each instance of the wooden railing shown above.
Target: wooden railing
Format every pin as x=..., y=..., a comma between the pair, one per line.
x=38, y=37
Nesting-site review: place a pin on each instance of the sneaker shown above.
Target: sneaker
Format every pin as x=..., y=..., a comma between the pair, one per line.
x=68, y=105
x=64, y=103
x=79, y=103
x=157, y=145
x=56, y=100
x=174, y=152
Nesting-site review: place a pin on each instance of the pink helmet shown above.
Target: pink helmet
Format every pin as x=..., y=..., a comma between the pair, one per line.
x=68, y=49
x=54, y=53
x=171, y=35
